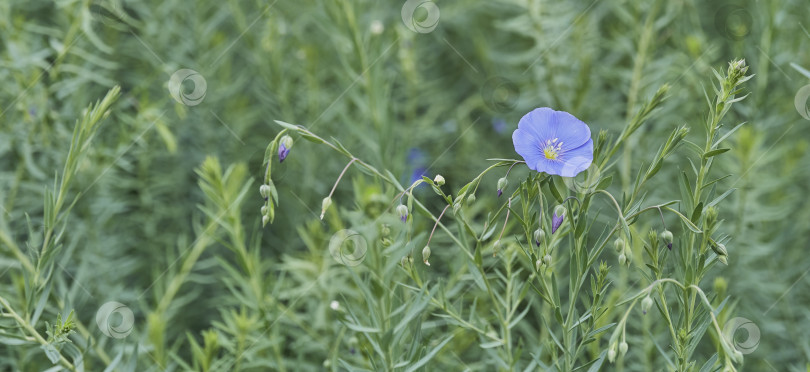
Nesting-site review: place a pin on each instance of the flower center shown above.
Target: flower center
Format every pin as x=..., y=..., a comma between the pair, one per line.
x=552, y=149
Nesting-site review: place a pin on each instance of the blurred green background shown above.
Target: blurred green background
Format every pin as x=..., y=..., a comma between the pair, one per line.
x=436, y=101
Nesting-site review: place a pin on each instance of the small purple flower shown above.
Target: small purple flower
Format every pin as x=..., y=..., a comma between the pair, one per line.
x=557, y=218
x=284, y=147
x=283, y=151
x=554, y=142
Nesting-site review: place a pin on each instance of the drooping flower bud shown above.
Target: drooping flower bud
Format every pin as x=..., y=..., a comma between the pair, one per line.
x=470, y=198
x=646, y=303
x=547, y=259
x=618, y=244
x=502, y=183
x=723, y=259
x=623, y=348
x=265, y=220
x=264, y=210
x=403, y=212
x=439, y=180
x=612, y=353
x=538, y=264
x=327, y=201
x=426, y=255
x=666, y=236
x=622, y=259
x=404, y=261
x=539, y=236
x=284, y=147
x=264, y=190
x=557, y=218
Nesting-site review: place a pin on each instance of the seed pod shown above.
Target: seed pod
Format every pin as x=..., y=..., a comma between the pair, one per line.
x=327, y=201
x=720, y=249
x=612, y=353
x=426, y=255
x=618, y=244
x=646, y=303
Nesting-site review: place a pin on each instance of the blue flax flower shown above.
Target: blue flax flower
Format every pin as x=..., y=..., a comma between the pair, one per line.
x=554, y=142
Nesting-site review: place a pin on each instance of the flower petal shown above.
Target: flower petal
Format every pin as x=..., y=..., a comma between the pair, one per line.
x=527, y=145
x=547, y=124
x=549, y=166
x=577, y=160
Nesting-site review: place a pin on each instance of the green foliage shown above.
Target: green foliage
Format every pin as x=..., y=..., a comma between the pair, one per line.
x=117, y=183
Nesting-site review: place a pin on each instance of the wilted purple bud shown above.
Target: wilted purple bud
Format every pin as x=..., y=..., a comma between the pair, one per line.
x=557, y=218
x=284, y=148
x=539, y=236
x=403, y=212
x=502, y=183
x=666, y=236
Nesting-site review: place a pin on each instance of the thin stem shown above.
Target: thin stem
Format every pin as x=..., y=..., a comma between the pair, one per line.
x=437, y=223
x=338, y=181
x=505, y=221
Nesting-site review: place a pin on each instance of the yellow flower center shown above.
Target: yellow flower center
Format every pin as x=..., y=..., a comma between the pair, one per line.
x=552, y=149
